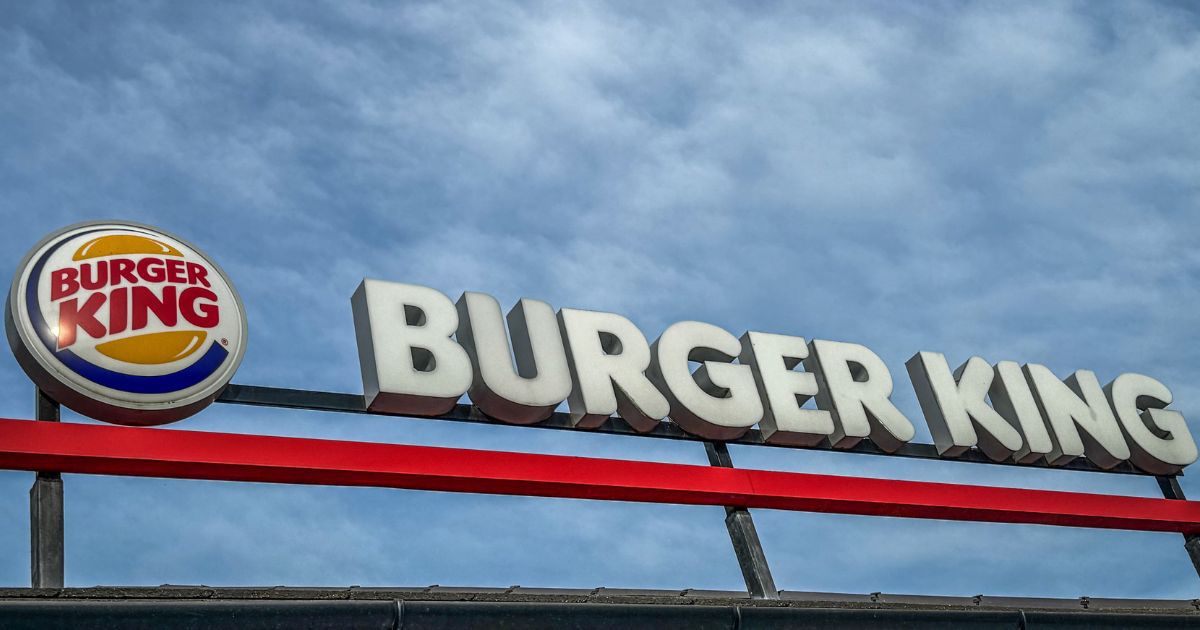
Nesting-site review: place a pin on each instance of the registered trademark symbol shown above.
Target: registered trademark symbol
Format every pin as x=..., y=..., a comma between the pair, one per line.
x=224, y=341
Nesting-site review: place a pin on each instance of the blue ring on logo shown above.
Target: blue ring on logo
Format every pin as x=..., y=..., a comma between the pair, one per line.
x=189, y=376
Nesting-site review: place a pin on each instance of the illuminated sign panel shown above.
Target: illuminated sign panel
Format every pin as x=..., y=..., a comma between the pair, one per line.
x=125, y=323
x=420, y=352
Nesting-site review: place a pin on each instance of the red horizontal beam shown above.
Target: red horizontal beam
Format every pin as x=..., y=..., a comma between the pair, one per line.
x=110, y=450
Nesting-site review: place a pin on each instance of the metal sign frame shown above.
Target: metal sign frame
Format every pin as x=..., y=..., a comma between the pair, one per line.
x=89, y=449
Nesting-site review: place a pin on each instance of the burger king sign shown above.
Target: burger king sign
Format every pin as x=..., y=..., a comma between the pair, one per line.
x=125, y=323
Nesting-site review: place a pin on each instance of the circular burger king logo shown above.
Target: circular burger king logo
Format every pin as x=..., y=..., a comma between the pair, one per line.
x=125, y=323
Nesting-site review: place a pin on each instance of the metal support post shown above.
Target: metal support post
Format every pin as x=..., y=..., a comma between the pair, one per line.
x=1169, y=484
x=744, y=536
x=46, y=513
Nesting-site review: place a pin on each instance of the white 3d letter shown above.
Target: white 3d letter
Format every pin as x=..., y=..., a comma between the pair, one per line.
x=955, y=407
x=783, y=390
x=530, y=391
x=854, y=386
x=1159, y=440
x=608, y=357
x=1075, y=404
x=1013, y=400
x=409, y=362
x=719, y=401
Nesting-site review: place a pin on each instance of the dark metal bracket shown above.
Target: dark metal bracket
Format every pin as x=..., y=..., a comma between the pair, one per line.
x=46, y=512
x=1169, y=485
x=742, y=533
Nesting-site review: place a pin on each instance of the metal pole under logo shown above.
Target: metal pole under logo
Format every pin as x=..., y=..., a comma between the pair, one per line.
x=46, y=513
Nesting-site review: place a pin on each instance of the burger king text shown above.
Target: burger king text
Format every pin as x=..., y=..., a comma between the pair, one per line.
x=420, y=352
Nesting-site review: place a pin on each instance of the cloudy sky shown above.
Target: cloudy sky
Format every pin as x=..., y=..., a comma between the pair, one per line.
x=1017, y=181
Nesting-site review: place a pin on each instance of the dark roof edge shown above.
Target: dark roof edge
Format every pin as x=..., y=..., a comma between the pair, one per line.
x=604, y=596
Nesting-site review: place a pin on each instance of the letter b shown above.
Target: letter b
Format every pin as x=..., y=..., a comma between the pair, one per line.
x=410, y=365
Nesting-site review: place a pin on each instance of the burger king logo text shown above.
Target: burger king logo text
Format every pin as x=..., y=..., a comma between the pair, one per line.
x=125, y=323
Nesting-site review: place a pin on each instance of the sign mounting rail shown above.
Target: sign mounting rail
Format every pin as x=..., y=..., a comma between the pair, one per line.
x=90, y=449
x=281, y=397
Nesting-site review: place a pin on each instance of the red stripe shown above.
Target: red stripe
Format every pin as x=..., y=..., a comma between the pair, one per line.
x=108, y=450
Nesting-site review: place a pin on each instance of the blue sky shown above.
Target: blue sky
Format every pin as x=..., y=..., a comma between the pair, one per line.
x=1017, y=181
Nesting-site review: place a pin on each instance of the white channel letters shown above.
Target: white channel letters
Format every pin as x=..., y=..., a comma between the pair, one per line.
x=421, y=352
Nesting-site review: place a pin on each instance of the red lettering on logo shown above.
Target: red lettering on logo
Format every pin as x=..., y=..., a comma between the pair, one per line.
x=70, y=317
x=130, y=307
x=144, y=301
x=63, y=283
x=92, y=281
x=200, y=314
x=175, y=271
x=197, y=274
x=151, y=270
x=118, y=310
x=121, y=269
